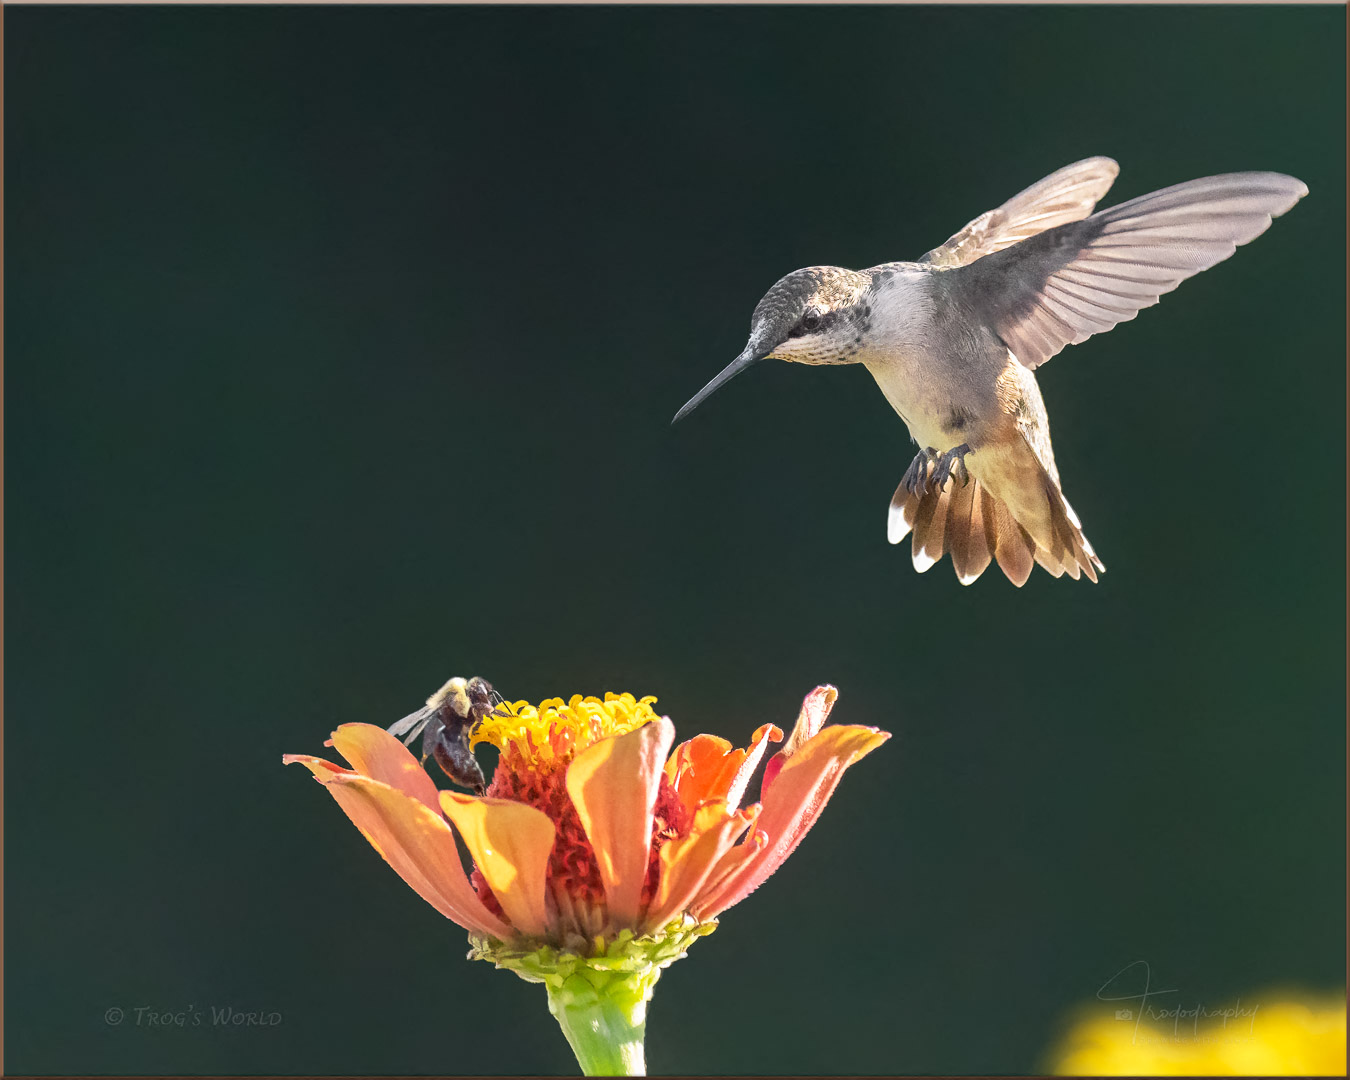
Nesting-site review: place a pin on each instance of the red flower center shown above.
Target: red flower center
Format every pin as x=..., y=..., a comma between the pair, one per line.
x=573, y=876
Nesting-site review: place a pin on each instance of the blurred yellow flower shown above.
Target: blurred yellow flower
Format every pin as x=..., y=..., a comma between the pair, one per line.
x=1292, y=1036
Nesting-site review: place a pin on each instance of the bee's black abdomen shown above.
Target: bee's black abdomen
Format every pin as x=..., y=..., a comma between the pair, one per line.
x=453, y=755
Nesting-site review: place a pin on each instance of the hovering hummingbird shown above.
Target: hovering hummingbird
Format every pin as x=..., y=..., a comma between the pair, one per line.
x=953, y=340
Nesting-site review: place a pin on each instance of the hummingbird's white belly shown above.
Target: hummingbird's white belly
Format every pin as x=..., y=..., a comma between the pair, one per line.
x=940, y=412
x=937, y=370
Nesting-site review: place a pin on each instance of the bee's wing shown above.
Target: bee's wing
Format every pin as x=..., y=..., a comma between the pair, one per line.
x=411, y=725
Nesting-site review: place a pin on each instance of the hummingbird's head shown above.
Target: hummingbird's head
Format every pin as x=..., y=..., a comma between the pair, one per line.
x=819, y=315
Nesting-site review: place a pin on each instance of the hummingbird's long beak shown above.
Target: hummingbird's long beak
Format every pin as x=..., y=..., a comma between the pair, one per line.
x=751, y=355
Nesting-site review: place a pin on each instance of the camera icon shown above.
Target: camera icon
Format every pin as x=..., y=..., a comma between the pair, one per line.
x=1124, y=1014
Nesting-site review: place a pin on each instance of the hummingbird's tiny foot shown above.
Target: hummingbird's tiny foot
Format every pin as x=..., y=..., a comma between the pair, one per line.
x=916, y=476
x=952, y=463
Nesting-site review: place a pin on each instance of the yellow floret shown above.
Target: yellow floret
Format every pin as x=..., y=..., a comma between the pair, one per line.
x=554, y=731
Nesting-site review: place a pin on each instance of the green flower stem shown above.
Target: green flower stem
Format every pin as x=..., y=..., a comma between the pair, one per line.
x=599, y=998
x=605, y=1023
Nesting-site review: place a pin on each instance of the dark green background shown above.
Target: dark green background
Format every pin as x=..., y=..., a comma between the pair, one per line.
x=340, y=356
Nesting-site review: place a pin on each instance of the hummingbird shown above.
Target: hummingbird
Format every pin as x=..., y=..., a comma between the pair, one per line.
x=954, y=340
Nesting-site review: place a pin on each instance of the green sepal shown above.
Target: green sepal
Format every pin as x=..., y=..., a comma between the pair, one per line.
x=599, y=1000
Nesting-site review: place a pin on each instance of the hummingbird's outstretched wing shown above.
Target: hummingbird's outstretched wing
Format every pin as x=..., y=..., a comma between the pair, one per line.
x=1064, y=285
x=1062, y=197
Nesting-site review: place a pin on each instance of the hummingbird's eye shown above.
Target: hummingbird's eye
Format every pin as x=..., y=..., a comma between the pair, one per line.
x=807, y=324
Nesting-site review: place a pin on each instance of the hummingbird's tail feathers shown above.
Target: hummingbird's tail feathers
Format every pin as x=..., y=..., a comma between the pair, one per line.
x=1014, y=548
x=968, y=538
x=930, y=527
x=1066, y=547
x=1062, y=286
x=967, y=522
x=976, y=527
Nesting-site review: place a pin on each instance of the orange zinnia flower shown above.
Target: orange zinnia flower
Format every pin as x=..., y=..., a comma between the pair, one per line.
x=598, y=854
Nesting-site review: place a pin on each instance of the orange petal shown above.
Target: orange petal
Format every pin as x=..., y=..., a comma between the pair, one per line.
x=313, y=764
x=511, y=843
x=814, y=712
x=728, y=868
x=759, y=742
x=373, y=752
x=613, y=785
x=697, y=770
x=791, y=806
x=707, y=768
x=687, y=861
x=415, y=840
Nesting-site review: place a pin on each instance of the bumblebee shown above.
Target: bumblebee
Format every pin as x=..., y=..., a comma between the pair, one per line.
x=445, y=724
